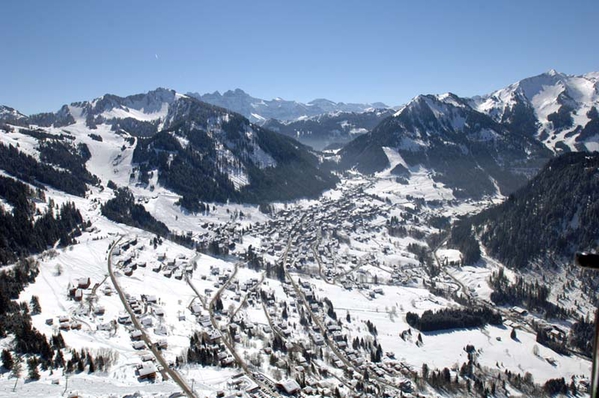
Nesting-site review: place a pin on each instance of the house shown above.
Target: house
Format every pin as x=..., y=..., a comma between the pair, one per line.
x=158, y=311
x=78, y=296
x=289, y=387
x=147, y=371
x=107, y=327
x=213, y=335
x=146, y=321
x=160, y=330
x=138, y=345
x=196, y=308
x=161, y=344
x=150, y=299
x=83, y=283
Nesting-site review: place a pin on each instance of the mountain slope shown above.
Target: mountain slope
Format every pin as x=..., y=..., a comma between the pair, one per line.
x=259, y=110
x=197, y=150
x=207, y=153
x=465, y=149
x=559, y=109
x=553, y=216
x=329, y=129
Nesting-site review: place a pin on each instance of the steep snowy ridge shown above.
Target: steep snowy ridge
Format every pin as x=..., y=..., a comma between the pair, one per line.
x=12, y=116
x=465, y=149
x=560, y=106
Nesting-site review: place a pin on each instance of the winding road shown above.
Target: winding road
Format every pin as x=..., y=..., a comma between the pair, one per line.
x=171, y=372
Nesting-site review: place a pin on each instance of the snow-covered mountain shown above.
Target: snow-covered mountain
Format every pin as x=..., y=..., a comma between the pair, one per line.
x=559, y=109
x=463, y=148
x=259, y=110
x=162, y=138
x=330, y=129
x=485, y=144
x=11, y=116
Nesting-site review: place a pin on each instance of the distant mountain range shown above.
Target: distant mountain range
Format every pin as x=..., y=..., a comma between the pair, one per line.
x=476, y=146
x=260, y=110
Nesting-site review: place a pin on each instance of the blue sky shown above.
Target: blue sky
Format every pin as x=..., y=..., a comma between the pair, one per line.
x=56, y=52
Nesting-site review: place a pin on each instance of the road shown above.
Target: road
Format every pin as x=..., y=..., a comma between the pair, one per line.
x=171, y=372
x=231, y=345
x=331, y=344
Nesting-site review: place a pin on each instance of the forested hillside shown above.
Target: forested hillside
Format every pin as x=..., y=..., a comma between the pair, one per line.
x=555, y=214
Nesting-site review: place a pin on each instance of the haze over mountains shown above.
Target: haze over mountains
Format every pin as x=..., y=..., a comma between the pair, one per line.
x=259, y=110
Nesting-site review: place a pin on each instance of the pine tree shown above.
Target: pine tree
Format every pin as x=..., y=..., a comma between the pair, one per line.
x=36, y=308
x=7, y=361
x=33, y=371
x=92, y=366
x=58, y=359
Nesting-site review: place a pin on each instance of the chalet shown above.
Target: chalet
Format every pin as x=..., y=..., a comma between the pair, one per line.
x=136, y=335
x=158, y=311
x=99, y=310
x=50, y=321
x=83, y=283
x=149, y=299
x=289, y=387
x=157, y=267
x=160, y=330
x=318, y=339
x=128, y=271
x=228, y=361
x=107, y=327
x=138, y=345
x=196, y=308
x=124, y=319
x=147, y=371
x=76, y=325
x=161, y=344
x=214, y=335
x=78, y=296
x=204, y=321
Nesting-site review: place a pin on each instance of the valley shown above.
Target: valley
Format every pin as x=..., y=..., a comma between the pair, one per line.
x=157, y=245
x=312, y=295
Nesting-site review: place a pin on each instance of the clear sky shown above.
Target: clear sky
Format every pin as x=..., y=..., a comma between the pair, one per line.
x=57, y=52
